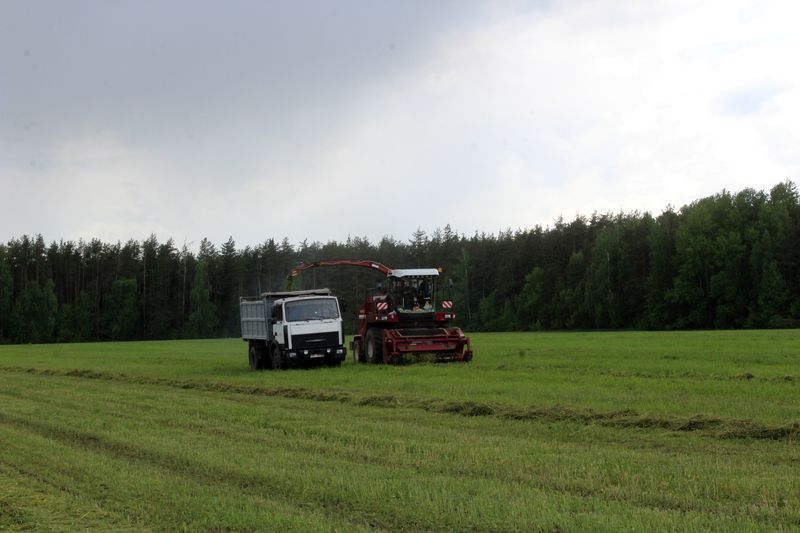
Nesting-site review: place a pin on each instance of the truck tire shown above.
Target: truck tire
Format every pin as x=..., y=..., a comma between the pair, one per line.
x=253, y=357
x=374, y=346
x=276, y=360
x=358, y=352
x=262, y=352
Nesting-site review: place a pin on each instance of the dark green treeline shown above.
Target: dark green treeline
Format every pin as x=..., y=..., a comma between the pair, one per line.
x=726, y=261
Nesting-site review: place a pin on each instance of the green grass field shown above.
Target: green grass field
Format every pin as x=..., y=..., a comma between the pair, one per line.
x=627, y=431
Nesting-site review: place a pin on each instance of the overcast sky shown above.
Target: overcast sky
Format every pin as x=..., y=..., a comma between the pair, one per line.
x=319, y=120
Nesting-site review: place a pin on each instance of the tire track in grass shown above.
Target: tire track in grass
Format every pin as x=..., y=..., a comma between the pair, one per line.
x=644, y=502
x=27, y=503
x=179, y=503
x=211, y=476
x=383, y=460
x=386, y=460
x=724, y=428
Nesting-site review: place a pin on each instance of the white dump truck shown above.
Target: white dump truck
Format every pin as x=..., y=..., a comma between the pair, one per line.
x=292, y=328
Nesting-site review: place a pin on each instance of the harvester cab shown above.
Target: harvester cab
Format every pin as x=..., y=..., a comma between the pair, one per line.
x=407, y=313
x=413, y=290
x=414, y=295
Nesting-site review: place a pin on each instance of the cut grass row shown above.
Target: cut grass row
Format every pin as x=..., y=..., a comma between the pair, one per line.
x=148, y=456
x=751, y=375
x=720, y=427
x=542, y=432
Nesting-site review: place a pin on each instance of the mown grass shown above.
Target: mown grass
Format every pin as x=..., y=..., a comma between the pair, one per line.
x=542, y=432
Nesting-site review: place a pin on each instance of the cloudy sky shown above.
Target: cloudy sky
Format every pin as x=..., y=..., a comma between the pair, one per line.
x=320, y=120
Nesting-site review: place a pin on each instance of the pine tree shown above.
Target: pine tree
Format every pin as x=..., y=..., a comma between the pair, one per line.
x=122, y=314
x=202, y=321
x=227, y=283
x=34, y=315
x=530, y=299
x=6, y=292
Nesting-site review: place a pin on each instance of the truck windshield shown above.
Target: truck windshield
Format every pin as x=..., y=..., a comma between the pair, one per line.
x=312, y=309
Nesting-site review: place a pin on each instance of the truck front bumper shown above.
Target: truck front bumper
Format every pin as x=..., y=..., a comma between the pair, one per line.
x=330, y=355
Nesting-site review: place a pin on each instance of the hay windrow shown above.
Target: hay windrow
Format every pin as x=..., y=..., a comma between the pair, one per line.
x=623, y=419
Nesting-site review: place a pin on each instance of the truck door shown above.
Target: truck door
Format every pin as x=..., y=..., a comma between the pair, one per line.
x=277, y=324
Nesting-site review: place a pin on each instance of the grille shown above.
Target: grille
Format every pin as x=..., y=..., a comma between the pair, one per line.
x=315, y=340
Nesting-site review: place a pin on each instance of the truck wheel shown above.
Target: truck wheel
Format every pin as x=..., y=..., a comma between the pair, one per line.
x=358, y=355
x=254, y=357
x=262, y=355
x=276, y=360
x=374, y=346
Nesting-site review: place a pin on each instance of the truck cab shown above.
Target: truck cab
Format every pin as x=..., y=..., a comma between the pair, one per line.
x=308, y=328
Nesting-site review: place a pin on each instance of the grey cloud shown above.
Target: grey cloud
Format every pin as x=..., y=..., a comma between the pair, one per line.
x=382, y=116
x=181, y=68
x=211, y=86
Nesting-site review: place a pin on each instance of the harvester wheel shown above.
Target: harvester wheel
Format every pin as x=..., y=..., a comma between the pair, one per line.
x=374, y=346
x=358, y=353
x=276, y=360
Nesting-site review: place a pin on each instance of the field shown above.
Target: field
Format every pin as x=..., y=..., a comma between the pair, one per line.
x=622, y=431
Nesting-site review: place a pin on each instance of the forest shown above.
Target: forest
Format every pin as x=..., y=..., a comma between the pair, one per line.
x=731, y=260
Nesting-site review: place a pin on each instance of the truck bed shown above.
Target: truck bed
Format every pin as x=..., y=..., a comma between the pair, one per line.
x=253, y=315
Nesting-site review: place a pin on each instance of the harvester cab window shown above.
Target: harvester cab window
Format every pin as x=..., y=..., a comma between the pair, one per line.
x=405, y=294
x=424, y=294
x=427, y=291
x=413, y=293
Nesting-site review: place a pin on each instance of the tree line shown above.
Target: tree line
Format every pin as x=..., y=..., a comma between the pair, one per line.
x=731, y=260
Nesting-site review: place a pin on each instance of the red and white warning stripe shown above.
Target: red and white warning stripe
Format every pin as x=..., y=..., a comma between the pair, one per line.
x=382, y=306
x=447, y=304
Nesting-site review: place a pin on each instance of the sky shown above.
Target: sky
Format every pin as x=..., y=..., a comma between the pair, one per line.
x=324, y=120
